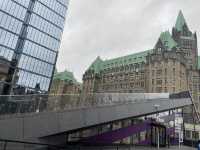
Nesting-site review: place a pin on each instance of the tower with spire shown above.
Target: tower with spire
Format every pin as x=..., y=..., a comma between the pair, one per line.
x=186, y=40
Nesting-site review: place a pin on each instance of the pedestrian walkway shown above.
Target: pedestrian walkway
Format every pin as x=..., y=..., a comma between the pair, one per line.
x=138, y=148
x=171, y=148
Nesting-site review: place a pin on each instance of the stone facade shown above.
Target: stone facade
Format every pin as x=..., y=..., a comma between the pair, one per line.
x=171, y=66
x=166, y=72
x=65, y=83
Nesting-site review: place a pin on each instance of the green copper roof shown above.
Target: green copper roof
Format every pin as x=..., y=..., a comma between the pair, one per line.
x=167, y=40
x=126, y=60
x=65, y=76
x=99, y=64
x=96, y=65
x=180, y=21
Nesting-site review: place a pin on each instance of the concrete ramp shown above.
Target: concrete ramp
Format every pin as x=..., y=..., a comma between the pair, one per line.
x=36, y=125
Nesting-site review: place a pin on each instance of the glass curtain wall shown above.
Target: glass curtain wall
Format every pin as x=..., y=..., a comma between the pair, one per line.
x=30, y=35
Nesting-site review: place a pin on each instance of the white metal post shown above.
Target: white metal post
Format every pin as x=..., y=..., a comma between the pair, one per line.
x=158, y=140
x=179, y=139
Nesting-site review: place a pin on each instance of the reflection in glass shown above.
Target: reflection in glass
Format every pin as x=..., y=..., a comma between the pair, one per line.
x=30, y=34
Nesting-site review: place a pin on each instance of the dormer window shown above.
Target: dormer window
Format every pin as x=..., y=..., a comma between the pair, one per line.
x=165, y=43
x=159, y=49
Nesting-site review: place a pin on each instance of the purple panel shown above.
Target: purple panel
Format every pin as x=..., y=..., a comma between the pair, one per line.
x=174, y=141
x=170, y=131
x=113, y=136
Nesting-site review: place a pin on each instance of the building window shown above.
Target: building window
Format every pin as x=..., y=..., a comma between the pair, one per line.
x=165, y=71
x=165, y=81
x=174, y=71
x=195, y=135
x=159, y=89
x=165, y=43
x=152, y=72
x=188, y=134
x=159, y=82
x=159, y=72
x=131, y=85
x=142, y=84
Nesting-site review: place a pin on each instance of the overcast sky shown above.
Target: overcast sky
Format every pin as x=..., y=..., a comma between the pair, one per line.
x=113, y=28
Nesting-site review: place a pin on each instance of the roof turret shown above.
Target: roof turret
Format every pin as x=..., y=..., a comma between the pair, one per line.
x=180, y=21
x=167, y=40
x=65, y=76
x=96, y=65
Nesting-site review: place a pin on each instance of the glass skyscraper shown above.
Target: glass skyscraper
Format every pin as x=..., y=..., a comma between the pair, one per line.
x=30, y=34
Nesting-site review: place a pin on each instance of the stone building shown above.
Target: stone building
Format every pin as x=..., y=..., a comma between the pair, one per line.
x=172, y=65
x=65, y=83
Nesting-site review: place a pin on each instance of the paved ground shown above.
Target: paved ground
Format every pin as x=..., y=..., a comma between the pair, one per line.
x=141, y=148
x=171, y=148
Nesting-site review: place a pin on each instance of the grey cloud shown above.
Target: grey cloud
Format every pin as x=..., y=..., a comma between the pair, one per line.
x=112, y=28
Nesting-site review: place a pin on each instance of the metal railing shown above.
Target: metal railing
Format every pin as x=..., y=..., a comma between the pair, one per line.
x=18, y=104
